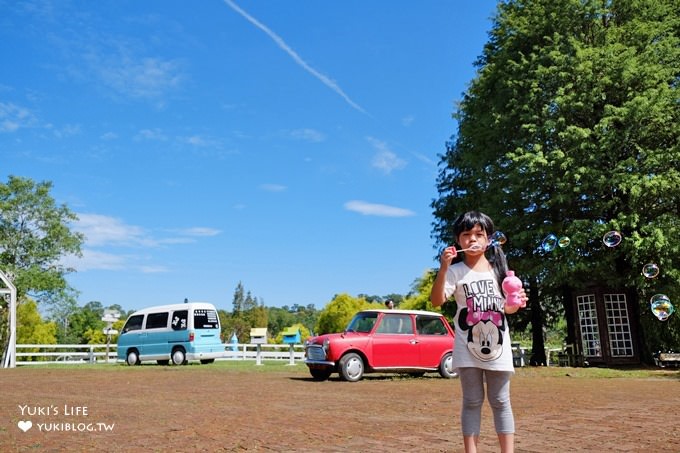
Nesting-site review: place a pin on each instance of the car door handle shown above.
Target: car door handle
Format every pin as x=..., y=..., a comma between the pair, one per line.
x=413, y=341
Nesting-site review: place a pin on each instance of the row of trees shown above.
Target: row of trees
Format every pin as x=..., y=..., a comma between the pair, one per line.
x=85, y=325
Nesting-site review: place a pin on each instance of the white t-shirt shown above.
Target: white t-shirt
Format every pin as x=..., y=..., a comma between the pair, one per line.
x=482, y=333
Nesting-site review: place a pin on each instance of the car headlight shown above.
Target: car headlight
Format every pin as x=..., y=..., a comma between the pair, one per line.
x=326, y=345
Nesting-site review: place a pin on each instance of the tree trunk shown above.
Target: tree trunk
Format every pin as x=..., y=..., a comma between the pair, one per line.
x=568, y=304
x=537, y=337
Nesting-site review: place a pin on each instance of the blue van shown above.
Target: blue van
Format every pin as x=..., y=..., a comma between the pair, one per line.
x=178, y=332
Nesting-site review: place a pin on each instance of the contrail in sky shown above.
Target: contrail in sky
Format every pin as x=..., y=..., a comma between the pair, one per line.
x=286, y=48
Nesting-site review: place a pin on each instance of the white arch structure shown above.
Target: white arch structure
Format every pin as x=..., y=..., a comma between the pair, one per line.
x=9, y=359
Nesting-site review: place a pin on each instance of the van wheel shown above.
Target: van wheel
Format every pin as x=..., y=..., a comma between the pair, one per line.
x=207, y=361
x=132, y=357
x=162, y=362
x=178, y=357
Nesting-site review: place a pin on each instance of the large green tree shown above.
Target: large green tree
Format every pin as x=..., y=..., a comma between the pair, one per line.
x=35, y=235
x=572, y=127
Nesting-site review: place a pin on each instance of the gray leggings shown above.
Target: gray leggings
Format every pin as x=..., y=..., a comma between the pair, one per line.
x=498, y=386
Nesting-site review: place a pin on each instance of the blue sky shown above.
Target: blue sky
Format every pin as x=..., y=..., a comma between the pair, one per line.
x=289, y=145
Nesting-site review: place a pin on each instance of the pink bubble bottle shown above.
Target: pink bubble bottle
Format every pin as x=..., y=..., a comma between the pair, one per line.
x=511, y=286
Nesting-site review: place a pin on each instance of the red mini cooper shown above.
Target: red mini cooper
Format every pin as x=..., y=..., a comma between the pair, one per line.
x=378, y=341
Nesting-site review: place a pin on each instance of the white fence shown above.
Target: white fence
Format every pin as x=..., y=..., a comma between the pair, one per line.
x=266, y=351
x=80, y=354
x=41, y=354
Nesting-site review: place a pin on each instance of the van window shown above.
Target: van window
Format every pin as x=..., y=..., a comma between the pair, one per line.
x=179, y=320
x=134, y=323
x=206, y=319
x=157, y=320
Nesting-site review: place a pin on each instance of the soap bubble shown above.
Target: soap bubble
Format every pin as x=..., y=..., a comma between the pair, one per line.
x=612, y=238
x=564, y=242
x=549, y=243
x=661, y=306
x=531, y=208
x=497, y=238
x=650, y=270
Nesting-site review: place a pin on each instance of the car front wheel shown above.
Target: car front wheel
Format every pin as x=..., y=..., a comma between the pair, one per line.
x=351, y=367
x=446, y=367
x=320, y=375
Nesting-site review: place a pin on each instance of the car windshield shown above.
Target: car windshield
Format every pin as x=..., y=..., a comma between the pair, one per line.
x=362, y=322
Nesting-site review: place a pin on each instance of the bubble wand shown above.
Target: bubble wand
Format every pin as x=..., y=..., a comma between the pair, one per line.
x=474, y=247
x=496, y=239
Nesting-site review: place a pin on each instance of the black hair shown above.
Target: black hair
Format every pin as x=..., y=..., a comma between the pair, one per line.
x=467, y=221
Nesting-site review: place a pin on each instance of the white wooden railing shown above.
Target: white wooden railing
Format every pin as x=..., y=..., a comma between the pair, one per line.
x=64, y=353
x=80, y=354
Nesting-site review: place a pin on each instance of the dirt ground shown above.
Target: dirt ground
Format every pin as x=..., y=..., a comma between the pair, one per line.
x=215, y=408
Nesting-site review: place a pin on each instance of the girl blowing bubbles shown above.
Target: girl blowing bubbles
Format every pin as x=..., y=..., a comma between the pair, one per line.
x=482, y=350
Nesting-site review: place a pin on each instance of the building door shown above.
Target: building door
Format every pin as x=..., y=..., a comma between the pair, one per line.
x=589, y=327
x=604, y=328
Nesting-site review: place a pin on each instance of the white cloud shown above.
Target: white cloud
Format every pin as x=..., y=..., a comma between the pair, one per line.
x=309, y=135
x=153, y=269
x=95, y=260
x=201, y=231
x=200, y=141
x=13, y=117
x=408, y=120
x=68, y=130
x=109, y=136
x=144, y=78
x=302, y=63
x=273, y=187
x=375, y=209
x=101, y=230
x=384, y=159
x=425, y=159
x=151, y=134
x=104, y=230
